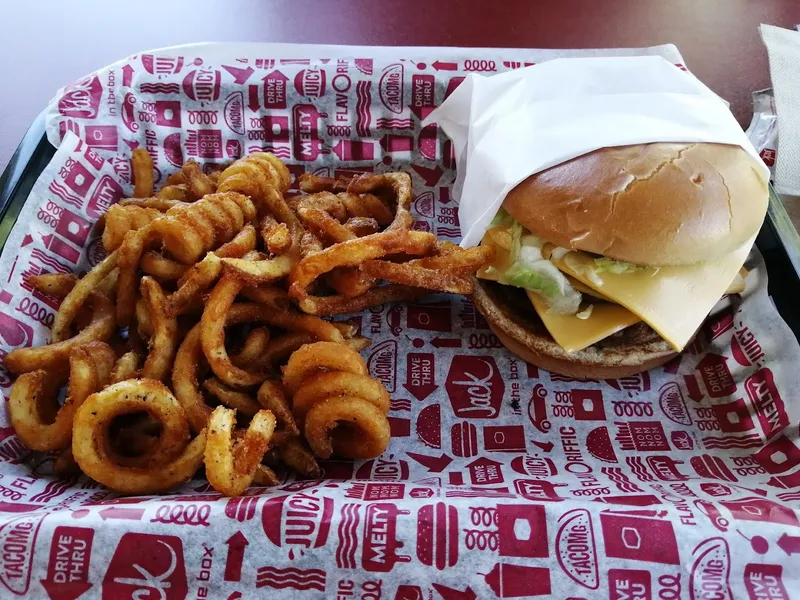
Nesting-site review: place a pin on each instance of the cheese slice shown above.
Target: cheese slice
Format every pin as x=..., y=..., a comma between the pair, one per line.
x=572, y=333
x=674, y=301
x=737, y=285
x=502, y=257
x=569, y=332
x=585, y=289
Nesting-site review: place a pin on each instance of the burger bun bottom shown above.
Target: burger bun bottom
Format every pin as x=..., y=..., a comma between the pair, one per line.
x=513, y=320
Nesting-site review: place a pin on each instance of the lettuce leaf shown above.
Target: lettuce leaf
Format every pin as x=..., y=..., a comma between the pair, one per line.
x=543, y=277
x=616, y=266
x=502, y=217
x=529, y=270
x=536, y=280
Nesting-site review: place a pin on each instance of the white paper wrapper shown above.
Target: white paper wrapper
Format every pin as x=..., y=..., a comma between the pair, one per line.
x=783, y=49
x=509, y=126
x=501, y=480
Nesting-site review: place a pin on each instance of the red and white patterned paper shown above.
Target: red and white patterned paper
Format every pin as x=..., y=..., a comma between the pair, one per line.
x=501, y=480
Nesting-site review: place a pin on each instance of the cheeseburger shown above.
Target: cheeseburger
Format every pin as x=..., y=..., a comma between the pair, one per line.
x=607, y=264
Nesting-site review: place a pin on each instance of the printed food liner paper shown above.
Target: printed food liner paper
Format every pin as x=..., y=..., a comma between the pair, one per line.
x=503, y=130
x=501, y=481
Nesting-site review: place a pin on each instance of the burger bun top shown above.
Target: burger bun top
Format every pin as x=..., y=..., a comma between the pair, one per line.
x=659, y=204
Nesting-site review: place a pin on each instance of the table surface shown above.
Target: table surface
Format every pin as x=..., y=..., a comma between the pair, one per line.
x=48, y=44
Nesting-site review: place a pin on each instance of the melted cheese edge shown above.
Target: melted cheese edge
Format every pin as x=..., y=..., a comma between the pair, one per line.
x=674, y=301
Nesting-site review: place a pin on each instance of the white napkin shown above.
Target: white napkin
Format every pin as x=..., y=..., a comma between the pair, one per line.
x=509, y=126
x=783, y=48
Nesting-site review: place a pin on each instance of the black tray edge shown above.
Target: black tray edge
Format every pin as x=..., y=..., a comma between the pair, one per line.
x=24, y=168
